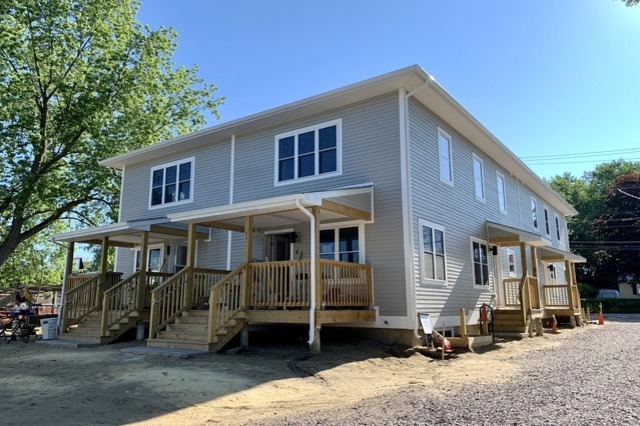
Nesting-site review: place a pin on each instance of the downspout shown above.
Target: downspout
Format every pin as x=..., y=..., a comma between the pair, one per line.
x=312, y=281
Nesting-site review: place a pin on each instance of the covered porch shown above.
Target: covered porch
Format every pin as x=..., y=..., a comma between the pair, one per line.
x=203, y=308
x=525, y=298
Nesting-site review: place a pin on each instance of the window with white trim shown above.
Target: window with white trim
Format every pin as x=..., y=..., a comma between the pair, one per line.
x=534, y=212
x=478, y=177
x=547, y=220
x=480, y=259
x=172, y=183
x=444, y=153
x=433, y=252
x=502, y=193
x=309, y=153
x=557, y=228
x=341, y=244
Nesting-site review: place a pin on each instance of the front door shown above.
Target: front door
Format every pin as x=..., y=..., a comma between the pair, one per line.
x=278, y=247
x=155, y=260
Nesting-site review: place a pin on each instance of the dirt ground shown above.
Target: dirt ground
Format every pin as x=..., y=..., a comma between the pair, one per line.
x=45, y=384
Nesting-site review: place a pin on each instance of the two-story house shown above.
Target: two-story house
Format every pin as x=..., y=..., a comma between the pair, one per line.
x=362, y=206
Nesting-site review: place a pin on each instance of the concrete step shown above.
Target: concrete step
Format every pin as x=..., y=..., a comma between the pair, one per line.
x=177, y=344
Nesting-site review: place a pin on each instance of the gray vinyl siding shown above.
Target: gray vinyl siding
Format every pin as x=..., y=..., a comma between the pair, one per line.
x=370, y=154
x=456, y=208
x=124, y=261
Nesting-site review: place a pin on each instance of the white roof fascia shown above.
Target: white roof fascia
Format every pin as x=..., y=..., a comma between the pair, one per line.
x=571, y=257
x=96, y=232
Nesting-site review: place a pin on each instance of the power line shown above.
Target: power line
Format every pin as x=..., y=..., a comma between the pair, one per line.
x=553, y=162
x=583, y=154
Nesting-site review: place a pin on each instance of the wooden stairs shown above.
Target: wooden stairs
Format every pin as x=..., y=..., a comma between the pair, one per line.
x=511, y=321
x=88, y=330
x=191, y=331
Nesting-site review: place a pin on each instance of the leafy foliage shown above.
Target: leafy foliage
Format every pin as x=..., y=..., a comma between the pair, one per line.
x=80, y=81
x=605, y=222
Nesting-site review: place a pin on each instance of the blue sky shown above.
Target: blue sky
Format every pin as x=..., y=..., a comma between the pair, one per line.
x=546, y=77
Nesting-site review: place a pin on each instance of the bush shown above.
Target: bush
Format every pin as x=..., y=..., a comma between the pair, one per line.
x=612, y=306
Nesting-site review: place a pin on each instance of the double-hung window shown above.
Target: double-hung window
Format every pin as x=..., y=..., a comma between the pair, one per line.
x=502, y=193
x=308, y=153
x=547, y=221
x=444, y=153
x=480, y=257
x=557, y=228
x=172, y=183
x=534, y=212
x=341, y=244
x=432, y=244
x=478, y=177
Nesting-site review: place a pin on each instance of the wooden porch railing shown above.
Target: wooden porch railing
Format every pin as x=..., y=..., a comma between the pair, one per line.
x=203, y=280
x=122, y=299
x=280, y=284
x=527, y=286
x=346, y=284
x=556, y=295
x=74, y=281
x=81, y=301
x=511, y=288
x=226, y=299
x=168, y=301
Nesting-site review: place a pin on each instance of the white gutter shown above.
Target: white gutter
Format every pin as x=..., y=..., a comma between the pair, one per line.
x=312, y=281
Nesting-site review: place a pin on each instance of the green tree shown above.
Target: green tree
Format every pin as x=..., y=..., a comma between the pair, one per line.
x=587, y=236
x=80, y=81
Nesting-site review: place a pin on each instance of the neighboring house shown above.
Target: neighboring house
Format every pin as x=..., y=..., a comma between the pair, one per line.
x=629, y=290
x=362, y=206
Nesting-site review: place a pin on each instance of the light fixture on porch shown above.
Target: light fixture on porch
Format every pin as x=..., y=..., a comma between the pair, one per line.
x=494, y=250
x=551, y=267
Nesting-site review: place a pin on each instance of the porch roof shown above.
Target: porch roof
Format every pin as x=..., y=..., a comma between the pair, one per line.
x=550, y=254
x=351, y=203
x=127, y=234
x=507, y=235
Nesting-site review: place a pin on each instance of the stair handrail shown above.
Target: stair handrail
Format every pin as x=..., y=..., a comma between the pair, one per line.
x=230, y=294
x=119, y=301
x=525, y=297
x=169, y=300
x=87, y=292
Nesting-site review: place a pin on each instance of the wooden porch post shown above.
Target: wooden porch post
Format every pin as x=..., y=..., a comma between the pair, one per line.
x=248, y=255
x=524, y=282
x=569, y=278
x=315, y=347
x=535, y=304
x=104, y=257
x=142, y=276
x=68, y=269
x=191, y=263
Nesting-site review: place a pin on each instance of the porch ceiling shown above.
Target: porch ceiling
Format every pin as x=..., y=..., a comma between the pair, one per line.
x=283, y=211
x=550, y=254
x=507, y=235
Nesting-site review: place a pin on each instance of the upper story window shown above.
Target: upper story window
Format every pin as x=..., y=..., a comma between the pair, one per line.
x=444, y=152
x=502, y=193
x=341, y=244
x=547, y=221
x=434, y=264
x=480, y=257
x=309, y=153
x=478, y=177
x=534, y=212
x=557, y=228
x=172, y=183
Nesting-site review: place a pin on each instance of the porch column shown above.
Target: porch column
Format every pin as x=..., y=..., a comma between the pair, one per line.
x=248, y=255
x=535, y=304
x=68, y=269
x=569, y=278
x=104, y=257
x=142, y=275
x=191, y=263
x=524, y=281
x=315, y=346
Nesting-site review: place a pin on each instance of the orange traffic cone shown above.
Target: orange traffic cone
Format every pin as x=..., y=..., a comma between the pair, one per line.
x=600, y=316
x=554, y=325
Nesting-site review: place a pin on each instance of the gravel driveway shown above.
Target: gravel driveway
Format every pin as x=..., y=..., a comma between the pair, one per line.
x=592, y=377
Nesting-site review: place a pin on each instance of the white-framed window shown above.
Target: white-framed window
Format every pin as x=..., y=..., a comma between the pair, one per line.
x=511, y=263
x=547, y=220
x=155, y=258
x=342, y=243
x=534, y=212
x=445, y=156
x=433, y=253
x=171, y=183
x=309, y=153
x=478, y=177
x=480, y=259
x=502, y=193
x=557, y=227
